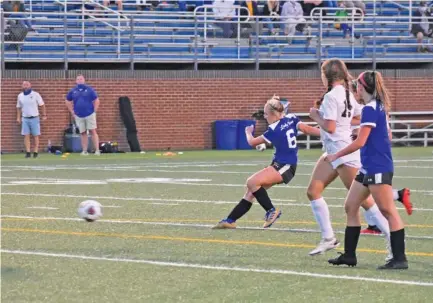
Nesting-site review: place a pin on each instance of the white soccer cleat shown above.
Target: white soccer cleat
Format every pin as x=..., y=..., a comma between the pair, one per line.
x=324, y=246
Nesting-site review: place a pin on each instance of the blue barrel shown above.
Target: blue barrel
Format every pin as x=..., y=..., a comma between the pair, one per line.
x=226, y=132
x=242, y=138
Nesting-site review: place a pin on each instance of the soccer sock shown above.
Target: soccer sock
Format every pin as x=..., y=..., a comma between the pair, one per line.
x=368, y=219
x=239, y=210
x=398, y=245
x=351, y=237
x=321, y=213
x=263, y=198
x=396, y=195
x=378, y=219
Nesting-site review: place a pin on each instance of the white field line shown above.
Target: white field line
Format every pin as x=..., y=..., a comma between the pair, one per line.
x=204, y=172
x=195, y=225
x=220, y=268
x=85, y=182
x=41, y=207
x=164, y=200
x=159, y=203
x=186, y=164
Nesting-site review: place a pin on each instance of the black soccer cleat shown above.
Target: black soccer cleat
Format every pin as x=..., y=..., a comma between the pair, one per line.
x=394, y=264
x=344, y=259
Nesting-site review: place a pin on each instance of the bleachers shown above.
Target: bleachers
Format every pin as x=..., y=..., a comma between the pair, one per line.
x=165, y=34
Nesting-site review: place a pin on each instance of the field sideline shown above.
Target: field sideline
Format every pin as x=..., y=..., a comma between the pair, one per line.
x=154, y=242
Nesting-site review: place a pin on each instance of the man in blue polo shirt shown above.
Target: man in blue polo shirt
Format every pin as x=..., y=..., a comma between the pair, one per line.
x=83, y=102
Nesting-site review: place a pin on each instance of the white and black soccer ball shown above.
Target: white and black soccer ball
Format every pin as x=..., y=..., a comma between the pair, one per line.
x=90, y=210
x=261, y=147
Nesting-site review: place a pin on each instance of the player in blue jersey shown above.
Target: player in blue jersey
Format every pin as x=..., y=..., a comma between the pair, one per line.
x=282, y=132
x=375, y=175
x=402, y=195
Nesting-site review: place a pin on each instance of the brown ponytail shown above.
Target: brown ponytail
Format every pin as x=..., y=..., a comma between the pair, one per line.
x=374, y=84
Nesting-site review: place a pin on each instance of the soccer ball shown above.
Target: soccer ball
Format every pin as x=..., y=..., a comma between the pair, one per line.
x=261, y=147
x=90, y=210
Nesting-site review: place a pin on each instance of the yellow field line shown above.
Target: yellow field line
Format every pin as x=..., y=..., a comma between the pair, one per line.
x=206, y=220
x=184, y=239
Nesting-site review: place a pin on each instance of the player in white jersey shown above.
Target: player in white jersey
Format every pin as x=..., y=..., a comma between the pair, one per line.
x=334, y=117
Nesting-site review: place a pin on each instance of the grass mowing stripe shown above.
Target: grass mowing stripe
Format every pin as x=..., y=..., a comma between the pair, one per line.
x=175, y=220
x=185, y=239
x=177, y=200
x=180, y=223
x=218, y=267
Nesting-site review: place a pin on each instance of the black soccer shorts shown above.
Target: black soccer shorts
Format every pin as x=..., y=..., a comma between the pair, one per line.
x=381, y=178
x=287, y=171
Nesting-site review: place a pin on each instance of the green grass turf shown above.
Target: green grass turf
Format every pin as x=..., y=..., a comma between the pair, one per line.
x=32, y=278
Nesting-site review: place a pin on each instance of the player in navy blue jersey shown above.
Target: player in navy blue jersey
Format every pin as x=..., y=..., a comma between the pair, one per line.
x=375, y=175
x=402, y=195
x=282, y=132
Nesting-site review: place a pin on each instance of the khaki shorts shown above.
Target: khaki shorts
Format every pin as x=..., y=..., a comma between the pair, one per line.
x=86, y=123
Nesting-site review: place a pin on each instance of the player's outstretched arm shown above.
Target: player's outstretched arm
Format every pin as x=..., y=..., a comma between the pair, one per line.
x=253, y=141
x=309, y=130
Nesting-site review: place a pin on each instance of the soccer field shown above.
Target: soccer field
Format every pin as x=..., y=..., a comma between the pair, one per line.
x=155, y=242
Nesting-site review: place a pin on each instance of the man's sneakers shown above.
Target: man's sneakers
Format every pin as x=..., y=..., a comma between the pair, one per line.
x=404, y=198
x=97, y=153
x=225, y=224
x=344, y=259
x=271, y=216
x=324, y=246
x=84, y=153
x=394, y=264
x=371, y=230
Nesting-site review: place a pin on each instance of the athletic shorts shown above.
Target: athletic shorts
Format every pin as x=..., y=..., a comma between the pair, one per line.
x=332, y=147
x=86, y=123
x=30, y=126
x=381, y=178
x=287, y=171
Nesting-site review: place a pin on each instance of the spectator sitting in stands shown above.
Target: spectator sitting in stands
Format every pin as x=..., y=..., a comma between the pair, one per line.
x=18, y=6
x=224, y=10
x=293, y=17
x=331, y=3
x=422, y=27
x=141, y=4
x=189, y=5
x=271, y=12
x=119, y=3
x=309, y=5
x=341, y=16
x=249, y=8
x=355, y=3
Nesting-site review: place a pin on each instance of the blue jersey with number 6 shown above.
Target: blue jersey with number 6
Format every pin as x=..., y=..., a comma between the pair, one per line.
x=282, y=134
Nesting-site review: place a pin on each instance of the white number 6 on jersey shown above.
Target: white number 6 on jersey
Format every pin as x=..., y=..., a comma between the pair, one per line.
x=291, y=138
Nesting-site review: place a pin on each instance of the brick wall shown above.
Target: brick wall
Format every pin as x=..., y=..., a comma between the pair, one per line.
x=178, y=112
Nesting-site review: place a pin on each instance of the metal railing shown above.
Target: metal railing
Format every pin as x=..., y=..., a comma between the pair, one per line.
x=404, y=129
x=130, y=35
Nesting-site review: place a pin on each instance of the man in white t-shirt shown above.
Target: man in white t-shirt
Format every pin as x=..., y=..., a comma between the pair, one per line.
x=28, y=104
